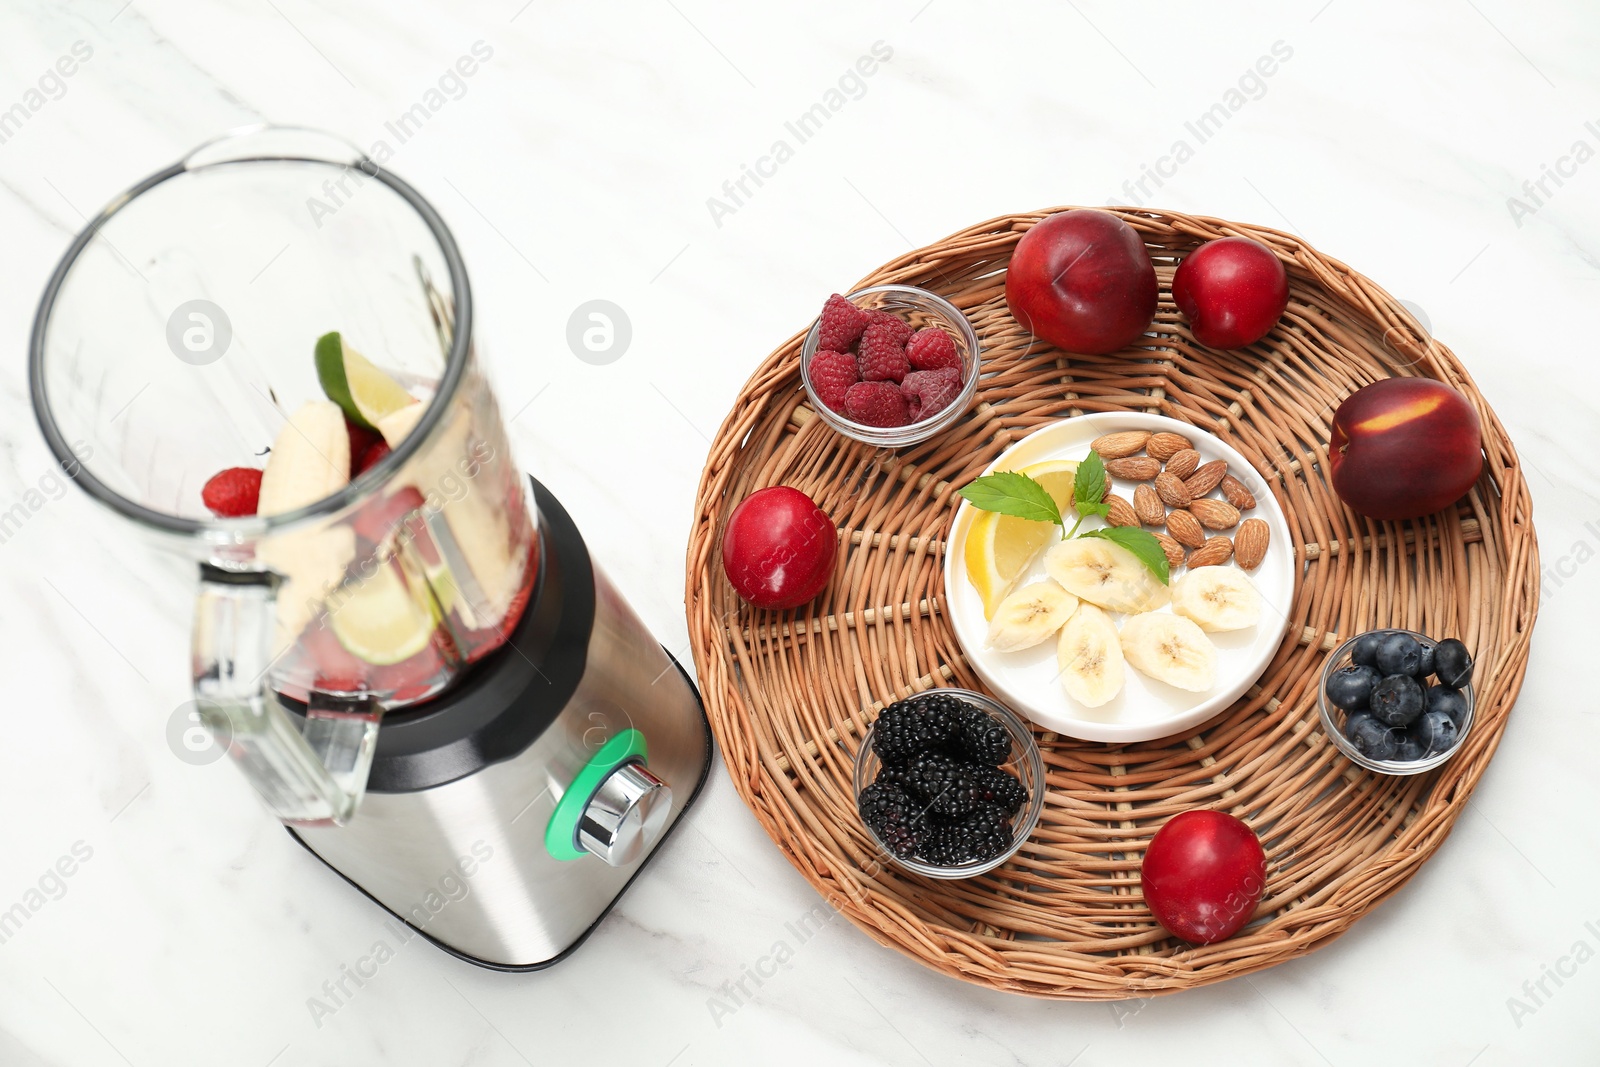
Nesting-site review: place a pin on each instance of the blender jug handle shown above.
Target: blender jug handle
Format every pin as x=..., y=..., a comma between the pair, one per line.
x=315, y=777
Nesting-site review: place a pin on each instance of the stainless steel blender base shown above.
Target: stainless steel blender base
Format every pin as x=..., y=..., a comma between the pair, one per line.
x=459, y=836
x=638, y=869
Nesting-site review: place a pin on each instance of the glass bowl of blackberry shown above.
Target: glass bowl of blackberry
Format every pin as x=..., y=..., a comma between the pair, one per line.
x=1397, y=701
x=949, y=783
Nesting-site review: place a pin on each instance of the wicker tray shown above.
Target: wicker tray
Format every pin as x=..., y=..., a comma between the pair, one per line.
x=790, y=695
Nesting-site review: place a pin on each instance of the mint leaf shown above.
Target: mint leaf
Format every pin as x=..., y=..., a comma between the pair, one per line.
x=1011, y=493
x=1141, y=543
x=1089, y=484
x=1101, y=510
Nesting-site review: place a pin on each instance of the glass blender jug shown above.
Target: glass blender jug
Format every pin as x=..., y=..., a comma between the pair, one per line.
x=412, y=658
x=177, y=339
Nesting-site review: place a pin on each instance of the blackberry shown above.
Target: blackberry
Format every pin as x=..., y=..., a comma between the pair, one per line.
x=945, y=785
x=1000, y=787
x=891, y=774
x=909, y=727
x=895, y=817
x=981, y=835
x=979, y=737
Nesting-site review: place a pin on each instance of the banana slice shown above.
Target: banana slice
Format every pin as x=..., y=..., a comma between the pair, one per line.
x=1217, y=599
x=487, y=562
x=309, y=460
x=1090, y=657
x=1104, y=573
x=1171, y=649
x=1030, y=615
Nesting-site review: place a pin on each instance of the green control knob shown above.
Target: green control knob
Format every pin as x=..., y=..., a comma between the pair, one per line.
x=614, y=809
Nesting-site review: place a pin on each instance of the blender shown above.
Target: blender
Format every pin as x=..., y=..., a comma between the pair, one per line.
x=404, y=644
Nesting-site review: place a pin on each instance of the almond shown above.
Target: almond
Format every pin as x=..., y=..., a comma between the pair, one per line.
x=1173, y=550
x=1171, y=490
x=1164, y=446
x=1183, y=464
x=1215, y=514
x=1250, y=544
x=1148, y=506
x=1185, y=529
x=1122, y=513
x=1215, y=552
x=1134, y=468
x=1117, y=445
x=1206, y=478
x=1236, y=494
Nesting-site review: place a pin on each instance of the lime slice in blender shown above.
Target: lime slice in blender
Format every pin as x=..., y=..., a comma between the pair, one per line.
x=444, y=588
x=365, y=393
x=379, y=621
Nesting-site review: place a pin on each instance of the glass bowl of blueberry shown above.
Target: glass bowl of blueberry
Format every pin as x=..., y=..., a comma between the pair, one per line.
x=949, y=783
x=1396, y=701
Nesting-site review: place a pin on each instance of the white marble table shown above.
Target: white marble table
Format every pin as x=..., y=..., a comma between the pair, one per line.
x=587, y=159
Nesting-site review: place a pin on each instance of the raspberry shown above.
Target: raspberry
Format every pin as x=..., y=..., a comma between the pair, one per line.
x=931, y=348
x=380, y=515
x=361, y=439
x=842, y=323
x=370, y=458
x=882, y=355
x=929, y=392
x=832, y=375
x=898, y=327
x=232, y=493
x=876, y=404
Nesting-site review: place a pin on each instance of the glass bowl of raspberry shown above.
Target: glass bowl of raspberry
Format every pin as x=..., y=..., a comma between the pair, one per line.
x=949, y=783
x=890, y=365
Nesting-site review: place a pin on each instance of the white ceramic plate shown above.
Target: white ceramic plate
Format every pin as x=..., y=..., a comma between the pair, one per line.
x=1145, y=709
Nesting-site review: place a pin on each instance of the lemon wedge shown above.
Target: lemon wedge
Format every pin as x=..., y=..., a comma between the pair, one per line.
x=1001, y=548
x=1057, y=477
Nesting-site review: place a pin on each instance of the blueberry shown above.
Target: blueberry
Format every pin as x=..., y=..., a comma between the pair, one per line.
x=1397, y=700
x=1364, y=653
x=1370, y=737
x=1409, y=748
x=1425, y=668
x=1453, y=663
x=1435, y=732
x=1399, y=654
x=1349, y=687
x=1453, y=702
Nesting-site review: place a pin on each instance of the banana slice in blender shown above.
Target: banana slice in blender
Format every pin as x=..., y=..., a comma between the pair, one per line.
x=471, y=514
x=310, y=459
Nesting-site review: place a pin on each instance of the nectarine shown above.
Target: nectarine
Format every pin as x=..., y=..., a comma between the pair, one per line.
x=1402, y=448
x=1232, y=290
x=1083, y=281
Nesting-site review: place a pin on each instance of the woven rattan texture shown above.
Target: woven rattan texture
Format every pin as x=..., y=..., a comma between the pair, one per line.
x=790, y=695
